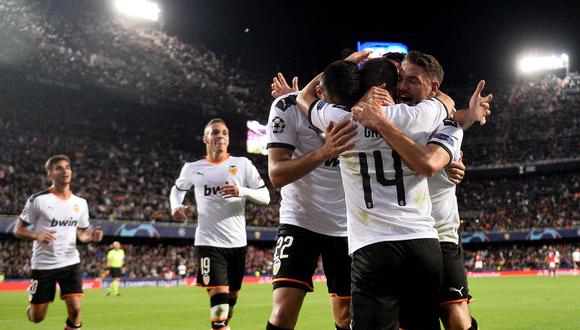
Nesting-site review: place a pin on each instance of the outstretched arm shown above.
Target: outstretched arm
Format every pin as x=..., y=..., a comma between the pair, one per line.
x=478, y=108
x=280, y=86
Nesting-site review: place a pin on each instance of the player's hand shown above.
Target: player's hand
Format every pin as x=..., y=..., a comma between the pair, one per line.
x=455, y=171
x=369, y=115
x=337, y=137
x=377, y=95
x=97, y=235
x=179, y=213
x=359, y=57
x=229, y=190
x=45, y=238
x=280, y=86
x=479, y=105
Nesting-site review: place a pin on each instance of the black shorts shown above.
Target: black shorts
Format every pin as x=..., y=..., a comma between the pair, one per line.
x=454, y=288
x=43, y=284
x=115, y=272
x=220, y=267
x=396, y=284
x=296, y=257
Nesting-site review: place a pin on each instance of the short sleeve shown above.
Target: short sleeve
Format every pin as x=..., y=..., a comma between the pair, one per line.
x=281, y=123
x=322, y=113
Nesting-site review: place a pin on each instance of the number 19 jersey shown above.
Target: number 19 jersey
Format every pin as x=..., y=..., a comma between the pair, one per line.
x=386, y=200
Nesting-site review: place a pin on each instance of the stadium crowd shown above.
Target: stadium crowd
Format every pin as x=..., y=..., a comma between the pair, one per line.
x=520, y=257
x=161, y=260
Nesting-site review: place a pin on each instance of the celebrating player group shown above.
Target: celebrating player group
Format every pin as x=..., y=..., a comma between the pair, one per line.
x=367, y=156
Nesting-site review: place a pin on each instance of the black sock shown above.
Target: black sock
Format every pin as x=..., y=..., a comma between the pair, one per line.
x=72, y=325
x=339, y=328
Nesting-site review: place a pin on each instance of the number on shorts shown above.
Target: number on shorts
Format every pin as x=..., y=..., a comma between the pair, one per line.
x=283, y=242
x=33, y=286
x=205, y=265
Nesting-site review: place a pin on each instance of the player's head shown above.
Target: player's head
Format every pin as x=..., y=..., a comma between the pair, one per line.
x=340, y=83
x=419, y=78
x=58, y=169
x=395, y=58
x=116, y=245
x=216, y=136
x=380, y=72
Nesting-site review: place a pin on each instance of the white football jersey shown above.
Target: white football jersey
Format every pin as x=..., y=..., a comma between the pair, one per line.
x=576, y=256
x=386, y=200
x=315, y=201
x=47, y=212
x=221, y=222
x=449, y=136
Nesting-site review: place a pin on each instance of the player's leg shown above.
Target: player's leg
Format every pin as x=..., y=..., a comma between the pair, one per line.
x=422, y=276
x=236, y=268
x=212, y=274
x=336, y=262
x=376, y=286
x=71, y=291
x=455, y=290
x=295, y=259
x=40, y=294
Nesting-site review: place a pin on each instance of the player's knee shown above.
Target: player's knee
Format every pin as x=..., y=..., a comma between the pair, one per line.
x=35, y=315
x=219, y=310
x=283, y=317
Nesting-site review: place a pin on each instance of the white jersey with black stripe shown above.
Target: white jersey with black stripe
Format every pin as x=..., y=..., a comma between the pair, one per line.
x=449, y=136
x=386, y=200
x=221, y=222
x=46, y=212
x=315, y=201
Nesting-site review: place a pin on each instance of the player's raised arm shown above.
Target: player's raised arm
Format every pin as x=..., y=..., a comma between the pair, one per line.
x=280, y=87
x=478, y=108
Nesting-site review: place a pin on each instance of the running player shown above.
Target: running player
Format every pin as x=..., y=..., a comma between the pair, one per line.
x=54, y=219
x=221, y=183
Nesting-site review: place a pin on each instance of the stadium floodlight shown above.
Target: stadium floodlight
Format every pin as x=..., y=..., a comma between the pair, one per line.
x=139, y=8
x=543, y=63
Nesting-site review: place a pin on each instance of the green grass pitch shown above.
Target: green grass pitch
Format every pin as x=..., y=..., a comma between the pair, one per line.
x=501, y=303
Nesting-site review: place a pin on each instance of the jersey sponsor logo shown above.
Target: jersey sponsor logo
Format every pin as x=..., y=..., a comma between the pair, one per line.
x=369, y=133
x=443, y=137
x=278, y=125
x=208, y=190
x=332, y=162
x=63, y=223
x=233, y=169
x=286, y=103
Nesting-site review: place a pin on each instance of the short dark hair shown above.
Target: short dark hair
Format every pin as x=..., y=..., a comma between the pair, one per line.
x=428, y=62
x=397, y=57
x=53, y=161
x=379, y=71
x=213, y=121
x=342, y=82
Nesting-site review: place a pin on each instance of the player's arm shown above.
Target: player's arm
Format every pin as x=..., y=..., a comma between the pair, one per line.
x=260, y=195
x=478, y=109
x=426, y=160
x=177, y=194
x=282, y=169
x=86, y=235
x=21, y=231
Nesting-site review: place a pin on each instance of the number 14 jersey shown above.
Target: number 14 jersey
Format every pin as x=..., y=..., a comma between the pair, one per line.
x=386, y=200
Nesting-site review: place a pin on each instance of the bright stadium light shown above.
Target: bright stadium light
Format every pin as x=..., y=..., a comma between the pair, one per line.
x=543, y=63
x=139, y=8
